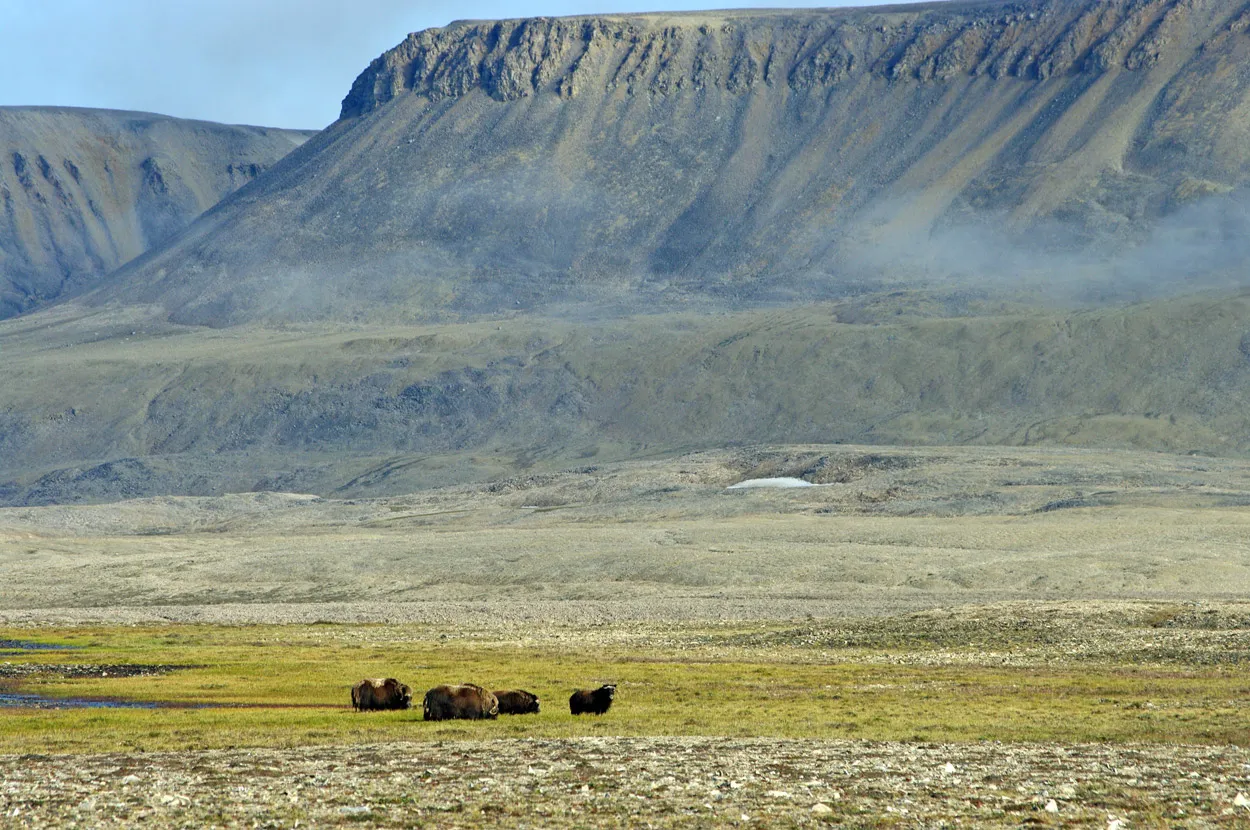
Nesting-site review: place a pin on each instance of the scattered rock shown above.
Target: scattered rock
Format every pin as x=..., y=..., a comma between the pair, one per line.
x=193, y=788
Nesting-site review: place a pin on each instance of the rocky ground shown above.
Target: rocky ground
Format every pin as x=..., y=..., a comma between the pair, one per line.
x=636, y=782
x=522, y=621
x=1151, y=575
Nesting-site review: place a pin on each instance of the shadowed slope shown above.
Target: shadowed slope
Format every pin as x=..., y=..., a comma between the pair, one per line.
x=82, y=191
x=742, y=156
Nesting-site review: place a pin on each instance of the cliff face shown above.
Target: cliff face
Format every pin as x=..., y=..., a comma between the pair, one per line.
x=82, y=191
x=743, y=156
x=664, y=55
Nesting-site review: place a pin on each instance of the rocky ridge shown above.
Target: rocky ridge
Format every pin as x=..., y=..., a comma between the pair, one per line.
x=665, y=54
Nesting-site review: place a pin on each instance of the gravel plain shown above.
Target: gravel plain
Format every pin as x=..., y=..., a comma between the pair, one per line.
x=637, y=782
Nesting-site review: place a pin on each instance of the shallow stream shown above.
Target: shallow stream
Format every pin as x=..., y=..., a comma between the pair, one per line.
x=13, y=700
x=18, y=646
x=25, y=700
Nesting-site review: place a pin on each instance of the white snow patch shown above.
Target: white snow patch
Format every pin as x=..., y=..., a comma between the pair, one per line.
x=778, y=483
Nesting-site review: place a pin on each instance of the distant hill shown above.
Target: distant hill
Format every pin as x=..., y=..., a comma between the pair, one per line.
x=747, y=156
x=83, y=191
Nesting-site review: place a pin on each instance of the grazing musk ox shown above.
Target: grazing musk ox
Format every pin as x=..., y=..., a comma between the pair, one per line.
x=381, y=694
x=464, y=702
x=517, y=702
x=596, y=701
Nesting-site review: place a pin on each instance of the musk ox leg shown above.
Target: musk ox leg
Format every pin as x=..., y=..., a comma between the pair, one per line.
x=362, y=695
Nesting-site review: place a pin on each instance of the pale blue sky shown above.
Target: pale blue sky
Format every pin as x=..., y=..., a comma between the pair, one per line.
x=280, y=63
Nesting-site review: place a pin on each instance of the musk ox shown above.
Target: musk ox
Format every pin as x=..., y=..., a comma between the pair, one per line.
x=517, y=702
x=595, y=702
x=381, y=694
x=464, y=702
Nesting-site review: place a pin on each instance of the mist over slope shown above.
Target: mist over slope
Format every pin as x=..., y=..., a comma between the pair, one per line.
x=737, y=157
x=83, y=191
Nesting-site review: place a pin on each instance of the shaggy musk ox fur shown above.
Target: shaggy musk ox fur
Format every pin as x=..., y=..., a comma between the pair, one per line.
x=517, y=702
x=381, y=694
x=595, y=702
x=464, y=702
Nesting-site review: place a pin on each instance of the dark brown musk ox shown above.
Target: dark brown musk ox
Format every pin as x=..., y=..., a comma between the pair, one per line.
x=464, y=702
x=517, y=702
x=595, y=702
x=378, y=693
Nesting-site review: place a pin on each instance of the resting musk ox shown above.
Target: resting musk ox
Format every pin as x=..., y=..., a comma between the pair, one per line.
x=381, y=694
x=517, y=702
x=464, y=702
x=595, y=702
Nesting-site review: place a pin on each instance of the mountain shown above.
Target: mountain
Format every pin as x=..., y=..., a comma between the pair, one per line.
x=543, y=245
x=742, y=157
x=83, y=191
x=102, y=405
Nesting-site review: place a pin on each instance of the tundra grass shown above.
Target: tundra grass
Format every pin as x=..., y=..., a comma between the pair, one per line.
x=285, y=686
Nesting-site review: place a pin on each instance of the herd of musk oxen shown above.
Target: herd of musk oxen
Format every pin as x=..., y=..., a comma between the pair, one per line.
x=469, y=701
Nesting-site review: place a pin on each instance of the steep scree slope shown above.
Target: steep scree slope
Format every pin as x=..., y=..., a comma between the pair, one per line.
x=744, y=156
x=82, y=191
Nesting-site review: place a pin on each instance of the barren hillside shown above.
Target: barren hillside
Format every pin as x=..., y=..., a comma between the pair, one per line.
x=738, y=157
x=85, y=190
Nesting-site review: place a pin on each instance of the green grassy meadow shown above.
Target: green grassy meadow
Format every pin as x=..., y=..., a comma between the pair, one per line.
x=286, y=686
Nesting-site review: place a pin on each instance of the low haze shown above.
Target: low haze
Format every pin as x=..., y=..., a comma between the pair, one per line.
x=279, y=63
